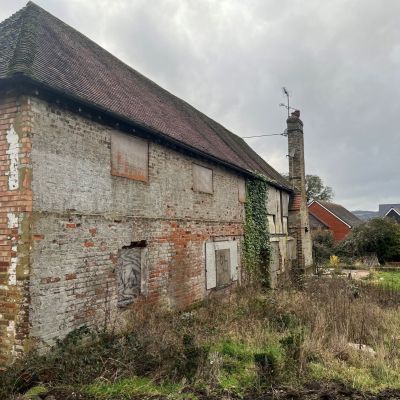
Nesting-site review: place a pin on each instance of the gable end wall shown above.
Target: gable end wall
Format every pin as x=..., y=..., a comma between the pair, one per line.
x=15, y=223
x=338, y=228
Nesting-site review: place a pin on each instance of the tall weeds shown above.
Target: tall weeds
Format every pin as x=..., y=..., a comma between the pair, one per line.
x=248, y=341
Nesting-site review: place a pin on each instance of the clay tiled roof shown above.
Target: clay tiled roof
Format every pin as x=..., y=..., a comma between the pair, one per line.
x=37, y=45
x=341, y=212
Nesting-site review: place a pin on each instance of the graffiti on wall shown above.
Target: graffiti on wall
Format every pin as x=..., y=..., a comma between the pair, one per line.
x=128, y=275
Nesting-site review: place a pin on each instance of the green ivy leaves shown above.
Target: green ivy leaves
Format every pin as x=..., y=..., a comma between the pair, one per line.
x=256, y=238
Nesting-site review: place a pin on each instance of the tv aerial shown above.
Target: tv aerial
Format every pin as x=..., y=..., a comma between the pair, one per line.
x=287, y=106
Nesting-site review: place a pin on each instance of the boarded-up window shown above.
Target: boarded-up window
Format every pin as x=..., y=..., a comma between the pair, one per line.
x=129, y=275
x=129, y=157
x=223, y=266
x=285, y=224
x=222, y=263
x=275, y=264
x=202, y=179
x=285, y=204
x=242, y=190
x=271, y=223
x=291, y=249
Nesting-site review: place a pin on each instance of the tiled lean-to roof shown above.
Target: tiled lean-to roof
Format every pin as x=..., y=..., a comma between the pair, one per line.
x=45, y=50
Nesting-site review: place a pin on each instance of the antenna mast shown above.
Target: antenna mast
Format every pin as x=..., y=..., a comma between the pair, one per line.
x=286, y=93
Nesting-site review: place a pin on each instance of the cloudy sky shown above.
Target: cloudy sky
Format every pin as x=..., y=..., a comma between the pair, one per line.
x=229, y=58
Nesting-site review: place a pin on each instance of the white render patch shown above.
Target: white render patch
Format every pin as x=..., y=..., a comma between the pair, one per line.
x=13, y=153
x=11, y=334
x=11, y=328
x=12, y=271
x=12, y=220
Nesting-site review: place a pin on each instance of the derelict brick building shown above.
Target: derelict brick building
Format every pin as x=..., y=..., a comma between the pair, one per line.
x=112, y=189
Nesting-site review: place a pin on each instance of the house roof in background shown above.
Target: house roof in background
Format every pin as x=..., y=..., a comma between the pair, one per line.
x=393, y=209
x=384, y=208
x=340, y=212
x=42, y=48
x=315, y=222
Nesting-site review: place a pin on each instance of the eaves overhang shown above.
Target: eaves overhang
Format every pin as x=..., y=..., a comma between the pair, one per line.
x=25, y=84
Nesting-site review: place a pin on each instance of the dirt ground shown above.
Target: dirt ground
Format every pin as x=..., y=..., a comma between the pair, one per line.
x=356, y=273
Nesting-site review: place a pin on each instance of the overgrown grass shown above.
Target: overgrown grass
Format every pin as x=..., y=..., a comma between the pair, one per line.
x=128, y=387
x=250, y=342
x=388, y=279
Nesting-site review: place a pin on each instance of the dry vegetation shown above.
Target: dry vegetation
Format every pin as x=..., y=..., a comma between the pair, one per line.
x=244, y=346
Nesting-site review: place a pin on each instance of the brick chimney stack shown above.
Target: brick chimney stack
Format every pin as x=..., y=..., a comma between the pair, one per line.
x=299, y=226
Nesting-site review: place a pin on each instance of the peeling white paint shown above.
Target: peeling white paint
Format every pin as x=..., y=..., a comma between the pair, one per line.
x=11, y=332
x=12, y=220
x=11, y=328
x=13, y=153
x=12, y=271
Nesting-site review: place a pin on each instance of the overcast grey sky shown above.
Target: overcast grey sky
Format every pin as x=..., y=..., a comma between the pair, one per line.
x=340, y=60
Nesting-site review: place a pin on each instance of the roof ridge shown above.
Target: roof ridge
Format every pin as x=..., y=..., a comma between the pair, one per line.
x=12, y=16
x=24, y=52
x=185, y=103
x=329, y=202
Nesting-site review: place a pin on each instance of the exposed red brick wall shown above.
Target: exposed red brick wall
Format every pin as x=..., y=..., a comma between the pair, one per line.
x=183, y=275
x=83, y=216
x=15, y=222
x=337, y=227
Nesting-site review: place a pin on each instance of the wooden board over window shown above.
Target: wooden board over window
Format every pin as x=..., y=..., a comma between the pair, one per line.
x=129, y=157
x=222, y=263
x=242, y=190
x=128, y=275
x=202, y=179
x=223, y=266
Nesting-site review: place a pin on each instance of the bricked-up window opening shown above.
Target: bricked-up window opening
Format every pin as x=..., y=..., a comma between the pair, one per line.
x=129, y=157
x=129, y=273
x=202, y=179
x=222, y=263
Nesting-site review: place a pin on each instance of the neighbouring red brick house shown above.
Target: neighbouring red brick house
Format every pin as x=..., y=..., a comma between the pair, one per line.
x=325, y=215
